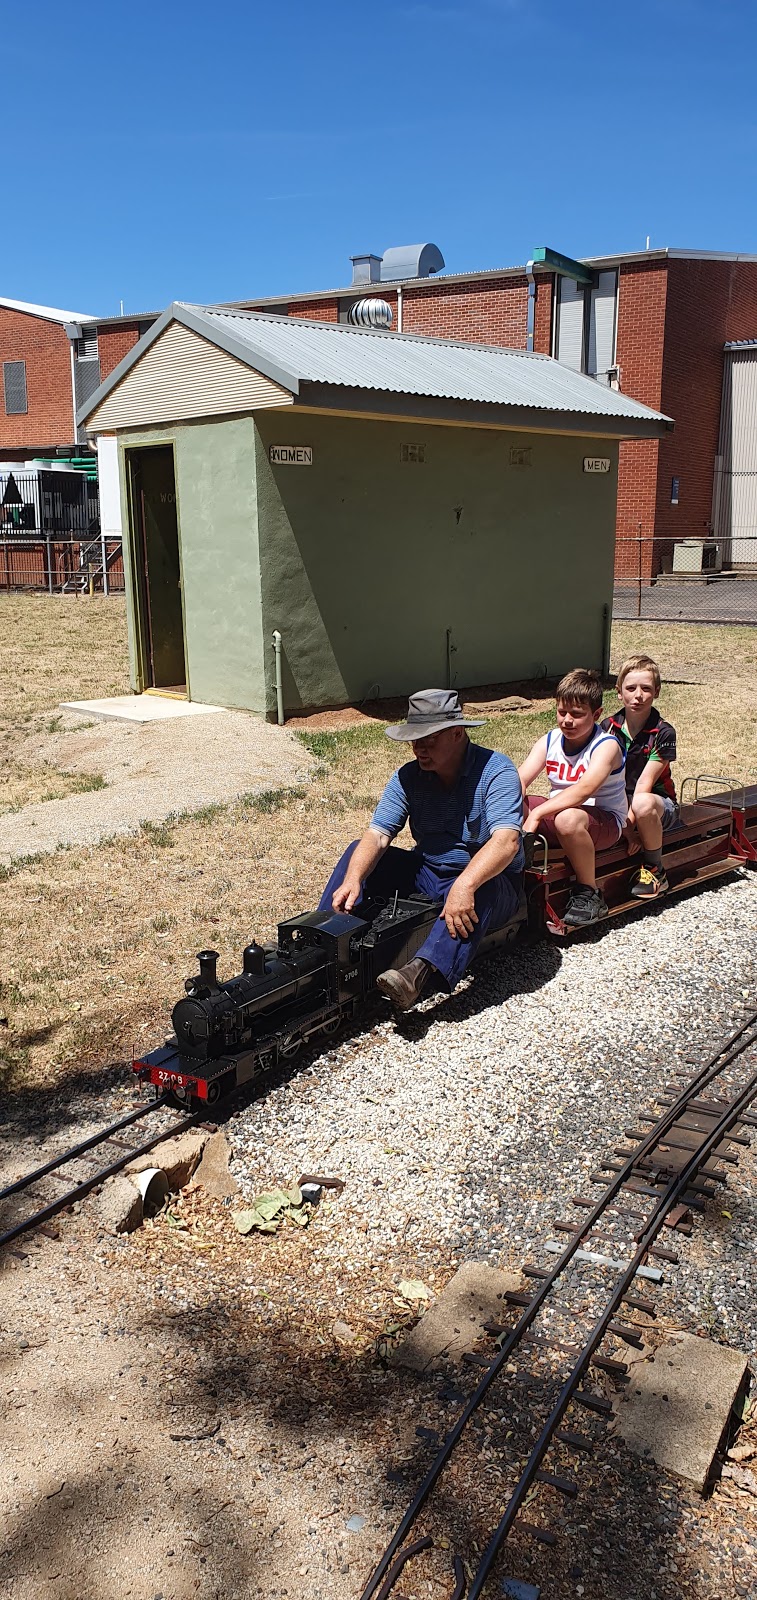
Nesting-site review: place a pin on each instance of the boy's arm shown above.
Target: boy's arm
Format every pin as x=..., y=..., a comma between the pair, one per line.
x=660, y=759
x=602, y=763
x=533, y=764
x=652, y=774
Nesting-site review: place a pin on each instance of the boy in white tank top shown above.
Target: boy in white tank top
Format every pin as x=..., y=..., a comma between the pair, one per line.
x=587, y=806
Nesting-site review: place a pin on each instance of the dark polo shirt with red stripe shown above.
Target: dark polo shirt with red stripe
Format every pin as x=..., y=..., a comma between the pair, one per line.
x=656, y=741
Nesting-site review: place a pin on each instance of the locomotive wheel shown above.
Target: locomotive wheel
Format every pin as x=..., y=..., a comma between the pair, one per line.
x=333, y=1026
x=289, y=1048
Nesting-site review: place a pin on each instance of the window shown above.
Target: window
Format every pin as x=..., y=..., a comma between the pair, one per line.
x=14, y=384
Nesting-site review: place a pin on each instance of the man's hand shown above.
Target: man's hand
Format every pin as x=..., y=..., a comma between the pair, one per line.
x=531, y=822
x=343, y=898
x=459, y=913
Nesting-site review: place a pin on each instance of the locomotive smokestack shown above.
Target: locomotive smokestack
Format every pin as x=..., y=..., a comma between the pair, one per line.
x=208, y=960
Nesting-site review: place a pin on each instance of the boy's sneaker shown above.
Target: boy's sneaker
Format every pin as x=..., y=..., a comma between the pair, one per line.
x=651, y=882
x=586, y=905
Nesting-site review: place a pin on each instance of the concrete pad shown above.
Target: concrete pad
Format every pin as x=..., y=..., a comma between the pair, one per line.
x=455, y=1322
x=677, y=1404
x=139, y=708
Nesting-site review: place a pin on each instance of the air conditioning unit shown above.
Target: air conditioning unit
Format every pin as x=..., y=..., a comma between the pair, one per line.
x=697, y=555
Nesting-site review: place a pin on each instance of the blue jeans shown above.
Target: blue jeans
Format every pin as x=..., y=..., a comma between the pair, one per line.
x=406, y=871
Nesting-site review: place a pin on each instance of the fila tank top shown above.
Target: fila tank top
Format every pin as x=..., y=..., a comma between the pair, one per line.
x=563, y=770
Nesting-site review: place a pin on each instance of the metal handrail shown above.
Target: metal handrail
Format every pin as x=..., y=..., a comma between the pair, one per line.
x=735, y=788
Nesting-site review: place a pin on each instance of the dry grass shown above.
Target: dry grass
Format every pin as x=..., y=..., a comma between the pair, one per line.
x=95, y=944
x=52, y=648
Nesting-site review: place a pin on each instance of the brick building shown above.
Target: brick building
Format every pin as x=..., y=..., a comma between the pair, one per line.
x=50, y=368
x=652, y=323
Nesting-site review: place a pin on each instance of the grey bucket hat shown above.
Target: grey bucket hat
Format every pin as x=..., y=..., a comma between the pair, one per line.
x=429, y=711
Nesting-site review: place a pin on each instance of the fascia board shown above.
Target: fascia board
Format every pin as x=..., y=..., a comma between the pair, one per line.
x=530, y=419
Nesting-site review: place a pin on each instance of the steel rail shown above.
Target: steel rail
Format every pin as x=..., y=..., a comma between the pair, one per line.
x=92, y=1182
x=729, y=1051
x=676, y=1189
x=78, y=1149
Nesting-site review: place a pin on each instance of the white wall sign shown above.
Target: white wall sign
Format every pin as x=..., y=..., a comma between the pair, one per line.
x=290, y=455
x=596, y=463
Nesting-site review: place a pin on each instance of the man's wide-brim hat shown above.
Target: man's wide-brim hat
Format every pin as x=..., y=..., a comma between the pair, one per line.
x=429, y=711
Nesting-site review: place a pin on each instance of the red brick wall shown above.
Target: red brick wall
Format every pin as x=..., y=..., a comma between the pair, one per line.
x=115, y=343
x=44, y=346
x=483, y=311
x=314, y=310
x=708, y=303
x=543, y=314
x=642, y=297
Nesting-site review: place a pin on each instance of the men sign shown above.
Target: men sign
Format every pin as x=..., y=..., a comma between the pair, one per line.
x=596, y=463
x=290, y=455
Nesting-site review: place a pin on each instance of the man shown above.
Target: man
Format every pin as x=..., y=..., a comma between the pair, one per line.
x=465, y=809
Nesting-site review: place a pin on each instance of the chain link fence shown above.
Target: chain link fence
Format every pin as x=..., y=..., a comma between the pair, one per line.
x=686, y=580
x=50, y=536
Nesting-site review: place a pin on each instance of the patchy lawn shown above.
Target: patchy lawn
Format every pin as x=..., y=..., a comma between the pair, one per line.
x=95, y=943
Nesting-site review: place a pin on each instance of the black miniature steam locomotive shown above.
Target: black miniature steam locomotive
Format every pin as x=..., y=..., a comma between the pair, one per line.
x=323, y=966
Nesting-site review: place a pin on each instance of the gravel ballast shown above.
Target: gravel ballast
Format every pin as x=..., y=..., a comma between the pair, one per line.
x=248, y=1368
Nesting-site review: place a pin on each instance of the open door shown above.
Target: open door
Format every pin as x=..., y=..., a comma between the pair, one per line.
x=155, y=543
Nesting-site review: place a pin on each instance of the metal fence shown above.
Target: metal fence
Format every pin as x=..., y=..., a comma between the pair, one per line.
x=50, y=536
x=686, y=580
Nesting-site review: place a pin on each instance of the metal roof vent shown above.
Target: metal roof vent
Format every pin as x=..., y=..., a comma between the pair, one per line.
x=370, y=314
x=411, y=261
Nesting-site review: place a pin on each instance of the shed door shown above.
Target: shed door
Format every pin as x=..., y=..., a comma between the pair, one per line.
x=155, y=542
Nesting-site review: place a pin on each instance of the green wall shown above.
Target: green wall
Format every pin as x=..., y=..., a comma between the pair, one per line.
x=366, y=561
x=218, y=547
x=363, y=561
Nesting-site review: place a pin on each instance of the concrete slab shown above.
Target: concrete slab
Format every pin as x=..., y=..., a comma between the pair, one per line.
x=139, y=708
x=677, y=1404
x=455, y=1322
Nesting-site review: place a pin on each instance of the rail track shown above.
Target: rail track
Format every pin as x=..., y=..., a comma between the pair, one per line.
x=668, y=1168
x=62, y=1168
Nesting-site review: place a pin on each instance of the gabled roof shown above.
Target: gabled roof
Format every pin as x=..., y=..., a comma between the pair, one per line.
x=47, y=313
x=308, y=357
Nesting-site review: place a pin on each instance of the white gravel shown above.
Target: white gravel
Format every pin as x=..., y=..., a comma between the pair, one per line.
x=462, y=1130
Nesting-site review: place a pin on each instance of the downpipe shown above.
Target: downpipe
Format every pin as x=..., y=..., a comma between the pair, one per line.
x=279, y=679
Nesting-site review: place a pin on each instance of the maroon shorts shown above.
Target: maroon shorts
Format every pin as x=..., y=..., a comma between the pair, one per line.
x=604, y=828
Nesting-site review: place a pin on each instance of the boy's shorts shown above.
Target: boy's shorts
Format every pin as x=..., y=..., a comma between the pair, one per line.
x=671, y=814
x=604, y=828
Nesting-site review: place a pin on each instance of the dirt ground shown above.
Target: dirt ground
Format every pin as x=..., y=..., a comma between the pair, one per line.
x=175, y=1404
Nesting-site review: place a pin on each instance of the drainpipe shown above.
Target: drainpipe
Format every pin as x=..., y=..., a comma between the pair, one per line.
x=279, y=679
x=531, y=305
x=399, y=307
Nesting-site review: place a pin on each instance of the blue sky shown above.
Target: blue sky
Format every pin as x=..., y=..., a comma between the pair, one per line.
x=163, y=151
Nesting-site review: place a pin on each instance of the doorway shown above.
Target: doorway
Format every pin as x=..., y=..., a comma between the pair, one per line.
x=155, y=543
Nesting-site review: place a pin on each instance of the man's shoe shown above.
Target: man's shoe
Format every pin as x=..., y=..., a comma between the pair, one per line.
x=586, y=906
x=404, y=985
x=650, y=883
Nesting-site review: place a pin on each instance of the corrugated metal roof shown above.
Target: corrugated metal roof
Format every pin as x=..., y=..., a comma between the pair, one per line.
x=48, y=313
x=399, y=363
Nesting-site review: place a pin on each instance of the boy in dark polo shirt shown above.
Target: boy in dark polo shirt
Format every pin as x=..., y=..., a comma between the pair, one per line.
x=649, y=744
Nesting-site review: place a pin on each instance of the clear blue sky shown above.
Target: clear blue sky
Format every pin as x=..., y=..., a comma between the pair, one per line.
x=210, y=152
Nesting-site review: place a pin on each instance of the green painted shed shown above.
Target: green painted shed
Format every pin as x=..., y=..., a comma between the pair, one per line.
x=390, y=510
